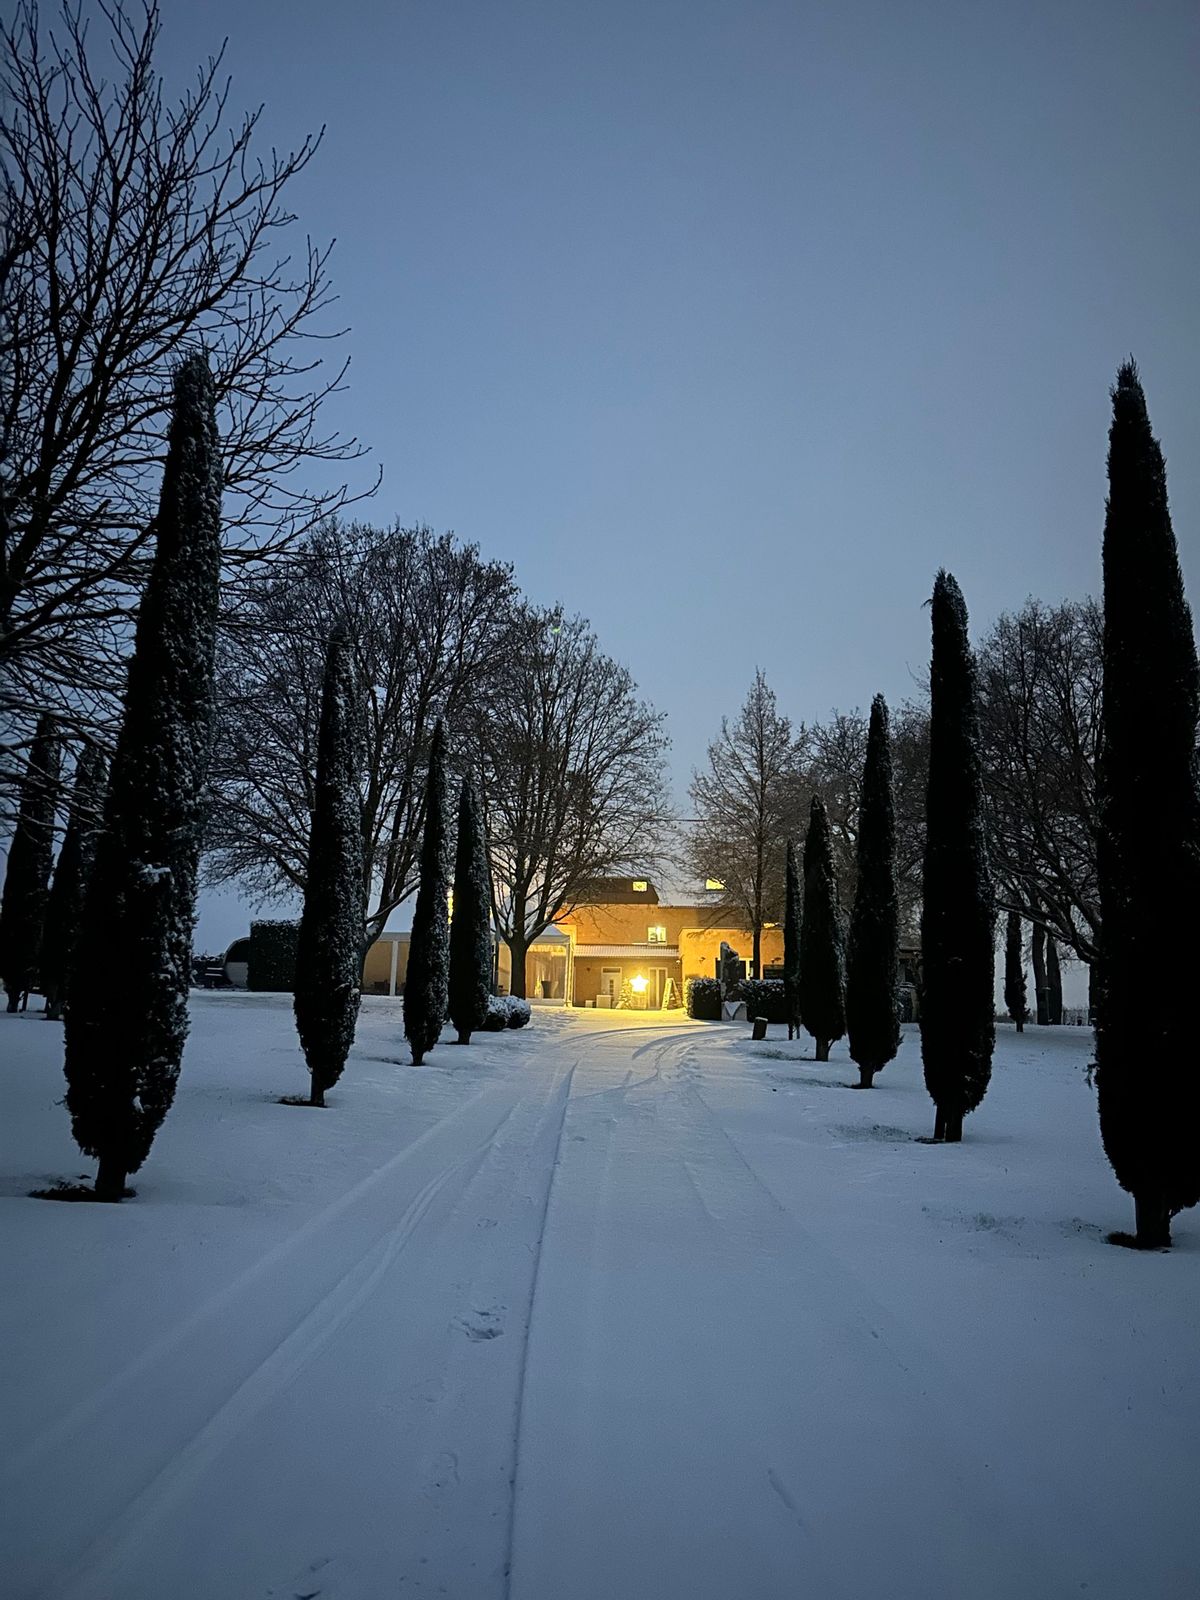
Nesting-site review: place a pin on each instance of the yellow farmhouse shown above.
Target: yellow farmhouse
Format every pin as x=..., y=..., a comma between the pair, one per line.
x=620, y=944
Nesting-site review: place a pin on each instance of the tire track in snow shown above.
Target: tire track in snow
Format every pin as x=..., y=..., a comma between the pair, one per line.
x=530, y=1308
x=54, y=1438
x=257, y=1322
x=714, y=1401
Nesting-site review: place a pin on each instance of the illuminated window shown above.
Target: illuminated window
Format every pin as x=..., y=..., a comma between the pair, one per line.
x=713, y=883
x=640, y=886
x=657, y=934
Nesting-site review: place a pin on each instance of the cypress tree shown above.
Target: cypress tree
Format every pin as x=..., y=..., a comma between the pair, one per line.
x=822, y=1002
x=470, y=983
x=873, y=950
x=425, y=986
x=958, y=1030
x=27, y=879
x=792, y=923
x=65, y=905
x=127, y=1024
x=1014, y=972
x=1149, y=839
x=329, y=955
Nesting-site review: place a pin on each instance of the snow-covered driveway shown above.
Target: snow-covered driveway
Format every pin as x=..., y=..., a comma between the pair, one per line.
x=596, y=1311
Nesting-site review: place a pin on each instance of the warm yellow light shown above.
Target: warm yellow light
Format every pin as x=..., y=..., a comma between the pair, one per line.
x=713, y=883
x=639, y=985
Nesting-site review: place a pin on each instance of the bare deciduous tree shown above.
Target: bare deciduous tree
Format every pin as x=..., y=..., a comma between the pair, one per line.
x=138, y=228
x=1040, y=690
x=571, y=777
x=747, y=804
x=431, y=625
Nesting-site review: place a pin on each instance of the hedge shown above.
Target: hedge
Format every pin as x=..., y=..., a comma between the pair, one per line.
x=271, y=961
x=704, y=999
x=764, y=997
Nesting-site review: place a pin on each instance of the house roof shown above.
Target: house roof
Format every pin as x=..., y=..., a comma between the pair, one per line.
x=671, y=951
x=618, y=892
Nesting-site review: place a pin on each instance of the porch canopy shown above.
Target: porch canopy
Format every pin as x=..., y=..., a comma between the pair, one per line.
x=629, y=952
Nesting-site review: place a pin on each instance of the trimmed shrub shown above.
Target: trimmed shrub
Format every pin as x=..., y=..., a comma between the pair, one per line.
x=704, y=999
x=764, y=997
x=506, y=1011
x=271, y=963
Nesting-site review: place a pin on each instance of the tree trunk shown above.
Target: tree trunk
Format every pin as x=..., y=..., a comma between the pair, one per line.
x=14, y=1001
x=464, y=1036
x=1041, y=993
x=1054, y=999
x=823, y=1049
x=1020, y=1024
x=54, y=1010
x=939, y=1123
x=953, y=1133
x=1152, y=1221
x=866, y=1077
x=757, y=955
x=316, y=1095
x=518, y=950
x=110, y=1180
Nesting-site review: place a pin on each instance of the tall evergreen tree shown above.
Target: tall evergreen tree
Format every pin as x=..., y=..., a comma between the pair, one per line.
x=329, y=953
x=127, y=1024
x=958, y=1030
x=470, y=983
x=873, y=950
x=426, y=983
x=1014, y=972
x=822, y=997
x=792, y=923
x=27, y=880
x=65, y=905
x=1149, y=844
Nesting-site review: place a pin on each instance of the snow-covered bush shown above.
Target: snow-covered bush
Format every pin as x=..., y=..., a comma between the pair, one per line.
x=704, y=999
x=506, y=1011
x=496, y=1019
x=764, y=997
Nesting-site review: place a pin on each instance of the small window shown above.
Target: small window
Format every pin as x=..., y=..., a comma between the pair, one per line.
x=656, y=934
x=713, y=883
x=640, y=885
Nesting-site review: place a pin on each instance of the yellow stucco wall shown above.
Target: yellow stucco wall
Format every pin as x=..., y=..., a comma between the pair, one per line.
x=700, y=947
x=378, y=966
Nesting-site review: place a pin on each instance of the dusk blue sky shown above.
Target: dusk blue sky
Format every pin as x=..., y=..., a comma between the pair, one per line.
x=728, y=324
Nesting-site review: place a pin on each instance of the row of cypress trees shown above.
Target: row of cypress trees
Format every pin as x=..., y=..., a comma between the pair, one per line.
x=39, y=914
x=27, y=880
x=449, y=960
x=123, y=895
x=827, y=990
x=1148, y=867
x=449, y=963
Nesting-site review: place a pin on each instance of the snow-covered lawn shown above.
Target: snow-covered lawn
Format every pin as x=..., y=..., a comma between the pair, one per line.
x=601, y=1310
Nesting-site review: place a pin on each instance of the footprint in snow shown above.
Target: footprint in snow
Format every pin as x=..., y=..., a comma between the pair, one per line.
x=479, y=1325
